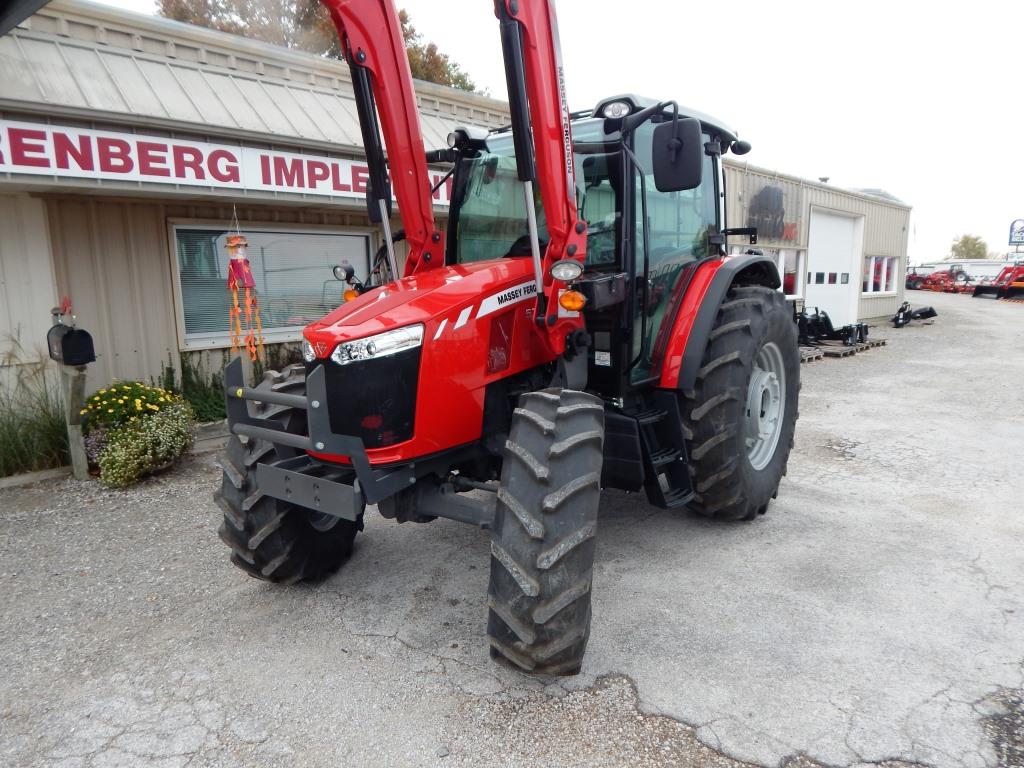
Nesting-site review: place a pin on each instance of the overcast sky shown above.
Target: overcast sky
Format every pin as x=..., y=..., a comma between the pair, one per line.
x=924, y=100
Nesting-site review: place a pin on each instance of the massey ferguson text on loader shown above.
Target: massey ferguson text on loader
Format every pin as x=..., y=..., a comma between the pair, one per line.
x=577, y=326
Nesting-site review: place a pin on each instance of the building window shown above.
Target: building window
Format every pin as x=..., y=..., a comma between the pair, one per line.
x=791, y=267
x=791, y=264
x=880, y=274
x=292, y=269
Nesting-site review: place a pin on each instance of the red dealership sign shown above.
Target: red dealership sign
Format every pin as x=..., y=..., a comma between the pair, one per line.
x=49, y=150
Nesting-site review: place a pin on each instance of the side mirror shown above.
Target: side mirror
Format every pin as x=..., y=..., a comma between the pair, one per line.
x=677, y=153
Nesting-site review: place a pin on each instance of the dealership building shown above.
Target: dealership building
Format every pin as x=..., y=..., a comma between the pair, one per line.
x=129, y=145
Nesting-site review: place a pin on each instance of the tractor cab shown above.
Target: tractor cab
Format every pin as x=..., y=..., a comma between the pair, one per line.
x=640, y=238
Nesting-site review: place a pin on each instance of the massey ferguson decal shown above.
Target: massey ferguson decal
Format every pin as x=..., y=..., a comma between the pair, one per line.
x=492, y=303
x=570, y=170
x=507, y=298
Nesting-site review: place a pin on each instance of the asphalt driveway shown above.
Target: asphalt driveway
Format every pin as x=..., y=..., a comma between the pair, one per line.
x=875, y=614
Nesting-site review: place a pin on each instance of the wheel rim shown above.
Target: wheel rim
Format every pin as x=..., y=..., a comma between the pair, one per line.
x=766, y=405
x=321, y=521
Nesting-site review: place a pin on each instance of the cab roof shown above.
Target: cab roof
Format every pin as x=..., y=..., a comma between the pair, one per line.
x=710, y=123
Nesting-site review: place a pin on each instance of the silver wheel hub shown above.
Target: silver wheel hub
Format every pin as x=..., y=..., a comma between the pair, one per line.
x=322, y=522
x=766, y=405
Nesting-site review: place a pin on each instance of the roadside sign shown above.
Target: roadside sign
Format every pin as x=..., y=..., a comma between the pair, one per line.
x=1017, y=232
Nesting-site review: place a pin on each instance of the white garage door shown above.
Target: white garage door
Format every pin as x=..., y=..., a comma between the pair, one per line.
x=833, y=261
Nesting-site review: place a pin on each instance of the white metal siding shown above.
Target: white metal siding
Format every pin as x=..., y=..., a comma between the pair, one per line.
x=886, y=224
x=113, y=258
x=26, y=278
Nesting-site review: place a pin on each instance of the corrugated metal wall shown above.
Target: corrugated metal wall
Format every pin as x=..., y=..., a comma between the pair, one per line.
x=886, y=224
x=26, y=280
x=113, y=258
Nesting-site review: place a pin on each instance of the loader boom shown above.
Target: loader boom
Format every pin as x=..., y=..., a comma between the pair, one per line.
x=371, y=39
x=541, y=130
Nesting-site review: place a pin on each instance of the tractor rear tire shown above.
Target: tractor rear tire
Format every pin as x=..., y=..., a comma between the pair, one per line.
x=270, y=539
x=542, y=547
x=752, y=353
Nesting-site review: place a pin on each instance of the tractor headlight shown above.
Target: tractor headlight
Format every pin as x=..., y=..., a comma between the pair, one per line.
x=566, y=270
x=307, y=352
x=381, y=345
x=616, y=109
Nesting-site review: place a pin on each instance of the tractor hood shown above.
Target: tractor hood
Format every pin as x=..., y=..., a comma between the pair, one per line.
x=452, y=294
x=478, y=327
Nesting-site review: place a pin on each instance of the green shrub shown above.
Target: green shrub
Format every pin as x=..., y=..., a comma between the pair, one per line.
x=32, y=431
x=205, y=393
x=144, y=445
x=123, y=401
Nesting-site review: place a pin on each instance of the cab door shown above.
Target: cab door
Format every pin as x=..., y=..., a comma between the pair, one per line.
x=670, y=233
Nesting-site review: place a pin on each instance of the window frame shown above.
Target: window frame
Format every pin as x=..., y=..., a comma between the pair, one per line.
x=213, y=341
x=890, y=266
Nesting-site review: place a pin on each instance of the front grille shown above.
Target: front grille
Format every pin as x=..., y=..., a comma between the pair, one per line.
x=373, y=399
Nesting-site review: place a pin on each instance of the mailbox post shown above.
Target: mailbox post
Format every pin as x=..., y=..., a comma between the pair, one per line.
x=72, y=348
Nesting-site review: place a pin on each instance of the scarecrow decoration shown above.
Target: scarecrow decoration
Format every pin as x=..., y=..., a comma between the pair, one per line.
x=247, y=333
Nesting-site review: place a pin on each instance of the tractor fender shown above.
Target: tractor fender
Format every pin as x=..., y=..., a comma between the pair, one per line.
x=695, y=318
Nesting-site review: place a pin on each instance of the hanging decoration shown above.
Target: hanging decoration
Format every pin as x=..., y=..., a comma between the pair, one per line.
x=244, y=318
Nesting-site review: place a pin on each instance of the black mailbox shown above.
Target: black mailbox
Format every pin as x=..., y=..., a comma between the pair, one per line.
x=69, y=345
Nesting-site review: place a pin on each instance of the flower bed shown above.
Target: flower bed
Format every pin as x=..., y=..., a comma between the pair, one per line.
x=133, y=430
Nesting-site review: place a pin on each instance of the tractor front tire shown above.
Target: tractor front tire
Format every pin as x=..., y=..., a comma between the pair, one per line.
x=542, y=547
x=270, y=539
x=741, y=415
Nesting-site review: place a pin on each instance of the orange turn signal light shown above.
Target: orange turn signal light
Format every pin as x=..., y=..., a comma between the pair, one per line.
x=572, y=301
x=350, y=294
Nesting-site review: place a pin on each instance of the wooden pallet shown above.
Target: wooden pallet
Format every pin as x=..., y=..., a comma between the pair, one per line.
x=810, y=354
x=838, y=349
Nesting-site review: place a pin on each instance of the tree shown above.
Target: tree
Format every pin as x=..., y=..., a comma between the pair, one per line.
x=968, y=247
x=306, y=25
x=301, y=24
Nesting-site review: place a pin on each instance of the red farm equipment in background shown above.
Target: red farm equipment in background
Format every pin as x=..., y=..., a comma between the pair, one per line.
x=1008, y=284
x=954, y=279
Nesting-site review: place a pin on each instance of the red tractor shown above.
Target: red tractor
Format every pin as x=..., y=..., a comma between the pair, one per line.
x=1008, y=284
x=577, y=327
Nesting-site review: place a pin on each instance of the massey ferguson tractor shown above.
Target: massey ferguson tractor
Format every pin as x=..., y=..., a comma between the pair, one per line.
x=578, y=326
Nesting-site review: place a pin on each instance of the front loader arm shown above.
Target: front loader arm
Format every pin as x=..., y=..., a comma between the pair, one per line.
x=371, y=39
x=543, y=139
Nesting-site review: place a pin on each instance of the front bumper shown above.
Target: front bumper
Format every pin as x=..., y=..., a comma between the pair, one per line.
x=334, y=489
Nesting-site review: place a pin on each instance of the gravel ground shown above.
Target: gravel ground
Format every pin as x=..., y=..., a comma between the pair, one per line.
x=873, y=616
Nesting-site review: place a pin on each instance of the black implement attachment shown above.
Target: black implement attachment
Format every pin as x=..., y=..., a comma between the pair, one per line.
x=816, y=327
x=905, y=314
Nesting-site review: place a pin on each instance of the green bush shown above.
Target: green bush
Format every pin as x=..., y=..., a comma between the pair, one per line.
x=144, y=445
x=32, y=431
x=204, y=393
